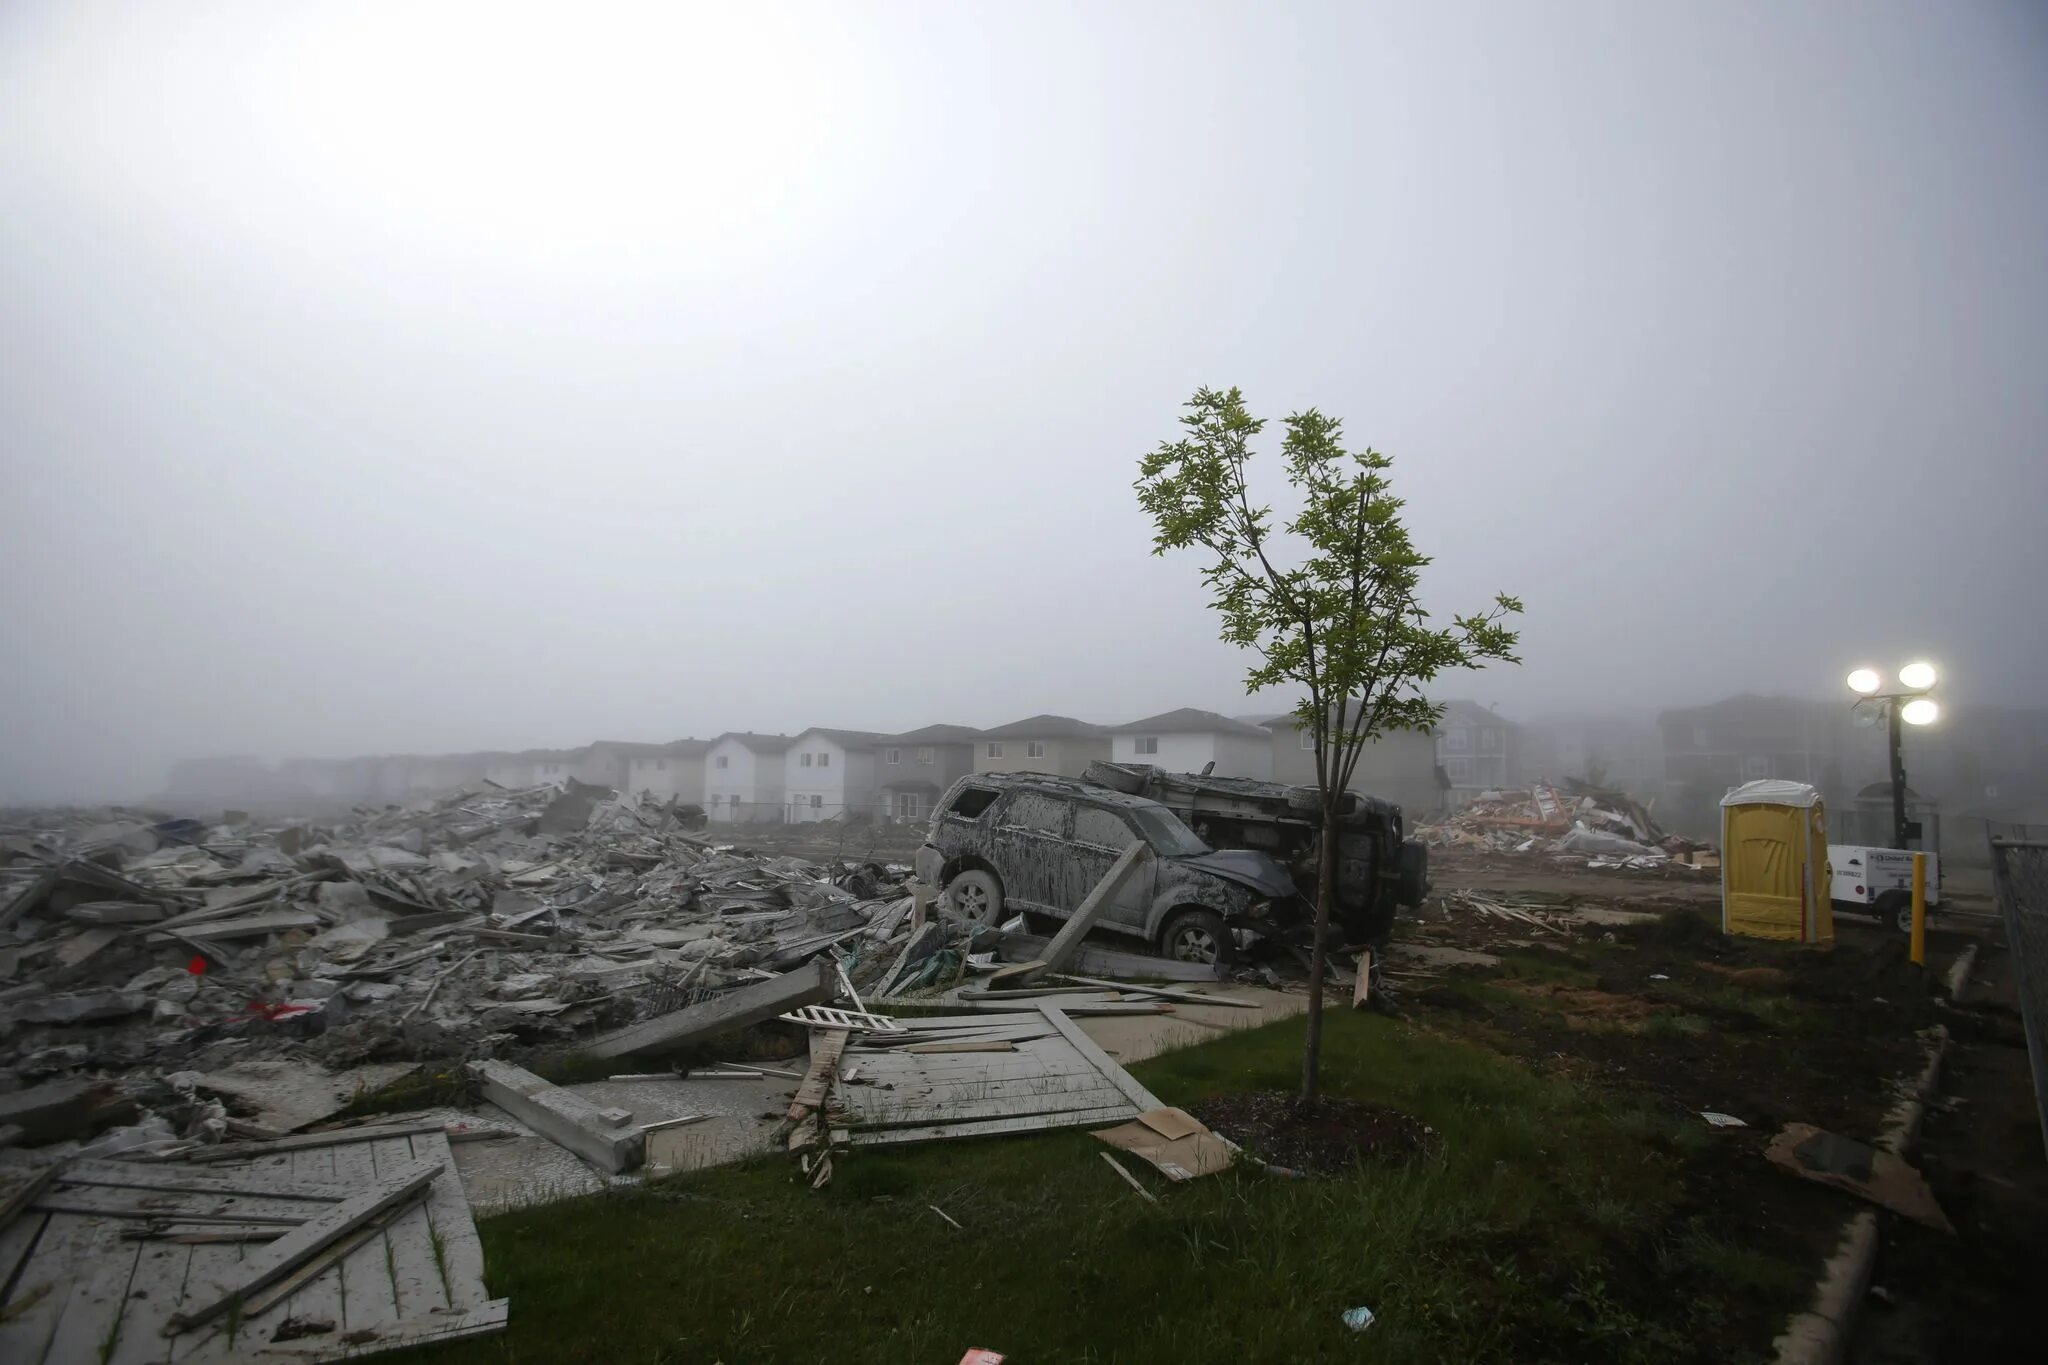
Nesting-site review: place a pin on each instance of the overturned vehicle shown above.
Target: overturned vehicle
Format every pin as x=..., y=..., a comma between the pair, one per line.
x=1036, y=845
x=1378, y=867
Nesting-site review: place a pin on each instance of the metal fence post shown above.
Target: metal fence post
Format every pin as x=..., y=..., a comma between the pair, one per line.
x=2019, y=873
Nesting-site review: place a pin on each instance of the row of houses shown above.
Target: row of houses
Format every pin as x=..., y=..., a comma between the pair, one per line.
x=1988, y=762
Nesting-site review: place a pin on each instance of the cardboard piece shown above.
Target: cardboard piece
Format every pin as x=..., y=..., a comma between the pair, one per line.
x=1173, y=1142
x=1879, y=1177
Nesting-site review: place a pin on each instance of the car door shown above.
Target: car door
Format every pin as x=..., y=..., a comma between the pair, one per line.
x=1100, y=835
x=1030, y=847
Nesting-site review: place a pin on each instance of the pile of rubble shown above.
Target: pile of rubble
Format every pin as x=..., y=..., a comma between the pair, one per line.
x=196, y=981
x=1576, y=823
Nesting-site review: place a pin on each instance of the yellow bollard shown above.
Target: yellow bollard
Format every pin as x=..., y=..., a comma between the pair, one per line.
x=1920, y=909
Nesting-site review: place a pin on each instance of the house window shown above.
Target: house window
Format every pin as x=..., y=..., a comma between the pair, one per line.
x=804, y=760
x=1756, y=765
x=1147, y=744
x=925, y=756
x=906, y=805
x=1308, y=739
x=1034, y=748
x=1457, y=741
x=721, y=762
x=895, y=755
x=661, y=765
x=825, y=760
x=1489, y=739
x=1459, y=770
x=995, y=749
x=817, y=802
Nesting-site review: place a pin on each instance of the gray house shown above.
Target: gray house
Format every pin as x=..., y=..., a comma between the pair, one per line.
x=1478, y=749
x=1041, y=744
x=915, y=768
x=1399, y=766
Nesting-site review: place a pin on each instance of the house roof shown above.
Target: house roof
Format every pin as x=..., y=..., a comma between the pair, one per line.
x=938, y=734
x=1470, y=713
x=1189, y=720
x=845, y=739
x=675, y=748
x=626, y=746
x=1045, y=727
x=760, y=744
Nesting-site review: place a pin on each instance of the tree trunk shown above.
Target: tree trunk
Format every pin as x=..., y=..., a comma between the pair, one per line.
x=1326, y=896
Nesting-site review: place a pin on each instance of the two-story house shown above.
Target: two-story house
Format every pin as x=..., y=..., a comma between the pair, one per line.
x=1188, y=740
x=1478, y=749
x=1708, y=749
x=1041, y=744
x=673, y=771
x=915, y=768
x=743, y=778
x=826, y=773
x=1399, y=766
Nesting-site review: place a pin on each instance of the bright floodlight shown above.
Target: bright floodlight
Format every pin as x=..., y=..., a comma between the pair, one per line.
x=1920, y=711
x=1865, y=680
x=1918, y=675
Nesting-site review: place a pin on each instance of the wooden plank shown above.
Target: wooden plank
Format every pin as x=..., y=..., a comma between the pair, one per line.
x=368, y=1299
x=1098, y=960
x=410, y=1237
x=137, y=1176
x=1084, y=1008
x=562, y=1116
x=826, y=1049
x=89, y=1201
x=153, y=1294
x=1137, y=1094
x=812, y=984
x=483, y=1320
x=36, y=1299
x=321, y=1298
x=239, y=1151
x=276, y=1260
x=462, y=1252
x=1032, y=1123
x=1164, y=993
x=965, y=1045
x=90, y=1326
x=23, y=1191
x=17, y=1242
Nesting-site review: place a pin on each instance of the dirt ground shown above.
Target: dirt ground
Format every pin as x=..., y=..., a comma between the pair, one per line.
x=1630, y=984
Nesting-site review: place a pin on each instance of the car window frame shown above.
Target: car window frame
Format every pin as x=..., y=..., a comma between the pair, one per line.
x=1115, y=813
x=1064, y=802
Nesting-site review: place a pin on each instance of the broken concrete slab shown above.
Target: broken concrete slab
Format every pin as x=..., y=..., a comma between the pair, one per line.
x=561, y=1117
x=80, y=1009
x=56, y=1110
x=287, y=1095
x=750, y=1004
x=1864, y=1171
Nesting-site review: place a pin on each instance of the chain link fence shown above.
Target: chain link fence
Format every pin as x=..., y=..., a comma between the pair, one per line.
x=2019, y=874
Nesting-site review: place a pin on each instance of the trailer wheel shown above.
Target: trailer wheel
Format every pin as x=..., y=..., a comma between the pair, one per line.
x=1897, y=906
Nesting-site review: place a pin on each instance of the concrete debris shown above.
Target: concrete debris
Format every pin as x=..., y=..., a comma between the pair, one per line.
x=1578, y=824
x=267, y=974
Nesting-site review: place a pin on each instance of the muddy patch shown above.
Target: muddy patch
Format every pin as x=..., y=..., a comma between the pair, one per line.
x=1328, y=1137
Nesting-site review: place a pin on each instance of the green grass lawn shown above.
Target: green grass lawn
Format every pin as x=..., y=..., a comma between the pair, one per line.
x=1555, y=1223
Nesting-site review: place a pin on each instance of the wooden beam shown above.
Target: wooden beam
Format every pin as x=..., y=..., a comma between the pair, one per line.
x=1068, y=939
x=1029, y=1123
x=277, y=1260
x=1125, y=1083
x=1162, y=992
x=229, y=1151
x=812, y=984
x=561, y=1116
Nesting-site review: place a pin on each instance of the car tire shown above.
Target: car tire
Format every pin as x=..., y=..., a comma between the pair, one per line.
x=1198, y=936
x=976, y=896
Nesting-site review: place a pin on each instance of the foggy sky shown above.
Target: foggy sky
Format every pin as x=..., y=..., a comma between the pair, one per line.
x=385, y=378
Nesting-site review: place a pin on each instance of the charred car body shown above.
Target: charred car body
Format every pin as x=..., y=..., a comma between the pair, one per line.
x=1036, y=844
x=1378, y=867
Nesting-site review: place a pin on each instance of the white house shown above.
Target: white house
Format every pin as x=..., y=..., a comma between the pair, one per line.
x=671, y=772
x=1187, y=740
x=1399, y=766
x=831, y=772
x=743, y=777
x=532, y=768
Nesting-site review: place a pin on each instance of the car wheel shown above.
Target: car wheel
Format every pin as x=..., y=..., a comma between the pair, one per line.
x=977, y=897
x=1197, y=936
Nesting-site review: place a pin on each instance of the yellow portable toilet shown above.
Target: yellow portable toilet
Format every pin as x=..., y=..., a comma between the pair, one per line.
x=1774, y=863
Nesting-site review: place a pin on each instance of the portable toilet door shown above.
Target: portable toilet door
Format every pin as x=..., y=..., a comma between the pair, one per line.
x=1774, y=863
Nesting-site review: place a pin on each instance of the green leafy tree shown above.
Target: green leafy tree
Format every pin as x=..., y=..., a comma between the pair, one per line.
x=1340, y=621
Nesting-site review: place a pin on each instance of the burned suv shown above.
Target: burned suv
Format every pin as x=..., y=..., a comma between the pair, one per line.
x=1035, y=844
